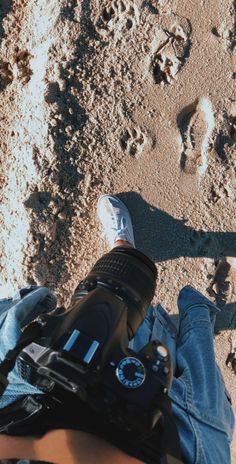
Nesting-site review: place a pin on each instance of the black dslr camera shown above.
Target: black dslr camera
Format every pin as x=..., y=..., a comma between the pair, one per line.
x=85, y=350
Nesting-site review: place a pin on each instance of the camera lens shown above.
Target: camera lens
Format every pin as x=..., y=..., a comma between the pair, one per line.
x=130, y=275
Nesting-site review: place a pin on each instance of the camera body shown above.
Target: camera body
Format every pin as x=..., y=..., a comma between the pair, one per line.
x=81, y=359
x=85, y=352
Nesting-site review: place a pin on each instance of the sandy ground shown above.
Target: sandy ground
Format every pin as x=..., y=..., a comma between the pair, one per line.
x=130, y=97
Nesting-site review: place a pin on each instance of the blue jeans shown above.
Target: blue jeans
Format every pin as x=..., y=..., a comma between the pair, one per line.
x=200, y=402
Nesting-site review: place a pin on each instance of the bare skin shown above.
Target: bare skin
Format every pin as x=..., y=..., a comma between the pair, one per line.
x=64, y=446
x=123, y=243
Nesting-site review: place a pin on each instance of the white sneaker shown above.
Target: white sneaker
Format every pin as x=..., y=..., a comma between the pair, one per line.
x=115, y=219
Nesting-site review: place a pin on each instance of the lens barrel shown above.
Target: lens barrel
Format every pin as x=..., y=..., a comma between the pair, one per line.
x=129, y=274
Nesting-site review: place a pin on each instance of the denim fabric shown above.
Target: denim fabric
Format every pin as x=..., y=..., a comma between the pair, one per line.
x=16, y=312
x=200, y=402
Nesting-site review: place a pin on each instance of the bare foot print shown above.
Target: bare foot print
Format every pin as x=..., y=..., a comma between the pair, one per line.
x=170, y=49
x=196, y=124
x=132, y=141
x=117, y=17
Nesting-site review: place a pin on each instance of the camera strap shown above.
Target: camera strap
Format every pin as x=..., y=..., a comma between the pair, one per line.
x=170, y=439
x=31, y=412
x=25, y=416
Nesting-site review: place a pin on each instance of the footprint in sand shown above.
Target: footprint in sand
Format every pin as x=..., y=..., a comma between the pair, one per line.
x=225, y=149
x=226, y=31
x=231, y=358
x=169, y=50
x=223, y=290
x=226, y=137
x=132, y=141
x=21, y=68
x=201, y=243
x=223, y=286
x=196, y=123
x=156, y=6
x=117, y=17
x=6, y=74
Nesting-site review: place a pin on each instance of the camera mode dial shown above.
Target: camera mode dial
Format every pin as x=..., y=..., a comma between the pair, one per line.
x=130, y=372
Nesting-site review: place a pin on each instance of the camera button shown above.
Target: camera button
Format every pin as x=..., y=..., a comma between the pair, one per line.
x=162, y=351
x=166, y=370
x=155, y=368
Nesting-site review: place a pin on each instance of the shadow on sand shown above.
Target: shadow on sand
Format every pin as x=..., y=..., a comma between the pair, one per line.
x=162, y=237
x=5, y=8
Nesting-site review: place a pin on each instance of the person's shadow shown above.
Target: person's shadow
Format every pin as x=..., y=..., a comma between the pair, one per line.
x=5, y=8
x=162, y=237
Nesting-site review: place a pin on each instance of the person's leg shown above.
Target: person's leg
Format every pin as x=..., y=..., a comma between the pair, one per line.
x=116, y=224
x=197, y=368
x=19, y=311
x=118, y=231
x=156, y=325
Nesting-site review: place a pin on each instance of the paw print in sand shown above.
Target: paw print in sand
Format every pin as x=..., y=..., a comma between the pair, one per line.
x=22, y=67
x=19, y=69
x=117, y=17
x=202, y=243
x=132, y=141
x=6, y=74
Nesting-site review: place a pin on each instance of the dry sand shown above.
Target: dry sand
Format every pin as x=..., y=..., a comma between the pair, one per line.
x=130, y=97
